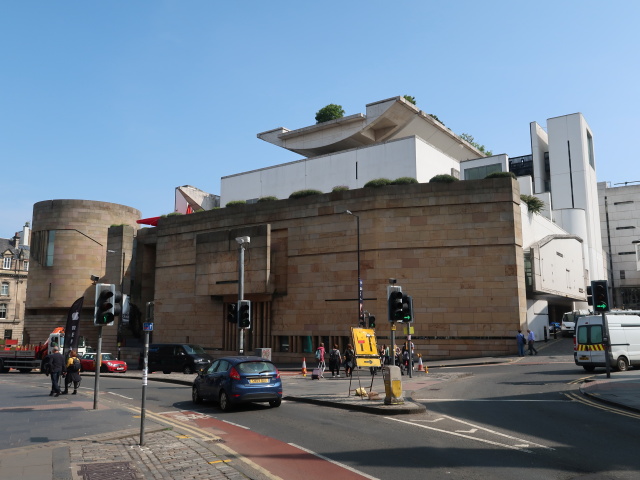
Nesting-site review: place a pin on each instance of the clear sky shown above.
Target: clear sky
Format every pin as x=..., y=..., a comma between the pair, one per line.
x=122, y=101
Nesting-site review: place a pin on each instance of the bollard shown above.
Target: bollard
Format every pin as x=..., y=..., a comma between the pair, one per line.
x=392, y=386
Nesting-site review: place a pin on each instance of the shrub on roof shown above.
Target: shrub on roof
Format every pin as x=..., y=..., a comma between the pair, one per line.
x=340, y=188
x=267, y=199
x=378, y=182
x=235, y=203
x=534, y=204
x=444, y=178
x=305, y=193
x=404, y=181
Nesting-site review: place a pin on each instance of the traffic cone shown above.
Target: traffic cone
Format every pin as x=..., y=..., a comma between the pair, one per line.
x=420, y=365
x=304, y=367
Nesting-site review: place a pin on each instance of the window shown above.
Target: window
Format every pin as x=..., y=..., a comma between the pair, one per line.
x=624, y=228
x=623, y=203
x=478, y=173
x=8, y=334
x=622, y=275
x=4, y=289
x=589, y=334
x=25, y=266
x=592, y=160
x=42, y=247
x=3, y=310
x=626, y=253
x=6, y=263
x=283, y=343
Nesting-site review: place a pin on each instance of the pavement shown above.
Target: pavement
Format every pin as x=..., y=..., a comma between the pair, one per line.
x=169, y=453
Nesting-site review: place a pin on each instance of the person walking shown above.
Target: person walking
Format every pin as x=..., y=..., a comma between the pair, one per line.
x=349, y=359
x=335, y=359
x=56, y=369
x=73, y=373
x=320, y=357
x=522, y=341
x=531, y=340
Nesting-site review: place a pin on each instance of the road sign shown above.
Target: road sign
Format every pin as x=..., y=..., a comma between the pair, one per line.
x=147, y=327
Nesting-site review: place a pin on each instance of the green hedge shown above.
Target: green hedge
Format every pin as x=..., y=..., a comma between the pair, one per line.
x=305, y=193
x=444, y=178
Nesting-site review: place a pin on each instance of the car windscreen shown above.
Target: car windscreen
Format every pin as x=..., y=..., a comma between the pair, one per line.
x=256, y=367
x=194, y=349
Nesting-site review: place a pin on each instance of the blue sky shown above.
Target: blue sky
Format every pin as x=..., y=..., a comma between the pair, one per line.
x=121, y=101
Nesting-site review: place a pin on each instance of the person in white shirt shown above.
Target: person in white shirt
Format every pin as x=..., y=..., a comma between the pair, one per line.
x=531, y=339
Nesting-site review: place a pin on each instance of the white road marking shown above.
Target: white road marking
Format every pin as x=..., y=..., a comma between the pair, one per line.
x=490, y=442
x=481, y=400
x=473, y=430
x=235, y=424
x=347, y=467
x=118, y=395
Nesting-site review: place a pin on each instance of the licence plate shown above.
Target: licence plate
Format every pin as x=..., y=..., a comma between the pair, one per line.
x=119, y=368
x=258, y=380
x=583, y=358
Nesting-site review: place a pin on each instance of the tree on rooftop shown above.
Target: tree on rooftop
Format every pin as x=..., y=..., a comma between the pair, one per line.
x=330, y=112
x=469, y=139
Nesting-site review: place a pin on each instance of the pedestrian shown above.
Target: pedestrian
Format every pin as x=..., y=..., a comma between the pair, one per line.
x=531, y=340
x=73, y=373
x=522, y=341
x=405, y=358
x=349, y=359
x=56, y=369
x=335, y=359
x=385, y=354
x=320, y=357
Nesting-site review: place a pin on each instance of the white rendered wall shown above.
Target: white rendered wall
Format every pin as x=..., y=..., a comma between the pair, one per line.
x=537, y=318
x=406, y=157
x=573, y=183
x=539, y=145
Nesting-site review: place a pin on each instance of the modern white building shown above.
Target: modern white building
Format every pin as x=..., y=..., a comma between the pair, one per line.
x=620, y=226
x=563, y=246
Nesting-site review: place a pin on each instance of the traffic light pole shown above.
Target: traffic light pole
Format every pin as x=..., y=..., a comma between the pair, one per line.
x=607, y=346
x=97, y=365
x=241, y=241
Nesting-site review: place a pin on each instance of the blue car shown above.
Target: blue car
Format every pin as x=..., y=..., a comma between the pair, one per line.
x=239, y=379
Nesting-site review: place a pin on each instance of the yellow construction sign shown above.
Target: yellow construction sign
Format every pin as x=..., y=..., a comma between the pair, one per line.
x=364, y=344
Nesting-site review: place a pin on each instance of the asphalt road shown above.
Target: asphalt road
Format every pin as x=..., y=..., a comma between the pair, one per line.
x=522, y=420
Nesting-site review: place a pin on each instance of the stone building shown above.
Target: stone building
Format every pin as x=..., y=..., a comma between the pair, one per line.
x=456, y=248
x=14, y=267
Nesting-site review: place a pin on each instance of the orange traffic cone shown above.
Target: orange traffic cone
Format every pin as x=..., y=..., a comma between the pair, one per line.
x=304, y=367
x=420, y=365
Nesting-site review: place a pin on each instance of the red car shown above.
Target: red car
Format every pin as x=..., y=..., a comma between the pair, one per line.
x=109, y=363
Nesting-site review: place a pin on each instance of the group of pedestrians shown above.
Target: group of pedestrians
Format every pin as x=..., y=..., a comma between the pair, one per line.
x=336, y=360
x=56, y=366
x=529, y=341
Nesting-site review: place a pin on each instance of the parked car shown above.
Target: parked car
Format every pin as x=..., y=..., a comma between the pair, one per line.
x=239, y=379
x=109, y=363
x=554, y=327
x=178, y=357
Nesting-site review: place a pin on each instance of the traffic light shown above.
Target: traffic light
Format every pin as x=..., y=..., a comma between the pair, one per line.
x=232, y=313
x=244, y=314
x=104, y=310
x=589, y=295
x=372, y=321
x=407, y=309
x=600, y=290
x=395, y=303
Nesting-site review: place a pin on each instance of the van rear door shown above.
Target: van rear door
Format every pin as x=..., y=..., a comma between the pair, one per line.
x=589, y=341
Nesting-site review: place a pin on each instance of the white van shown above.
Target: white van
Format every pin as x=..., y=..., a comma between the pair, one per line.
x=624, y=333
x=568, y=323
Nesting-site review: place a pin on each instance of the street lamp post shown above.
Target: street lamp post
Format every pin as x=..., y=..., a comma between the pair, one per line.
x=360, y=296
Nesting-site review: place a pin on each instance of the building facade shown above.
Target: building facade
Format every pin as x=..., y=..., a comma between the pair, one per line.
x=620, y=226
x=14, y=255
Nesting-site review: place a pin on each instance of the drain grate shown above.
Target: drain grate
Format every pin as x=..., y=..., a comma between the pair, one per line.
x=108, y=471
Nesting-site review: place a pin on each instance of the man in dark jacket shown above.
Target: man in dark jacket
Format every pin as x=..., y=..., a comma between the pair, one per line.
x=57, y=368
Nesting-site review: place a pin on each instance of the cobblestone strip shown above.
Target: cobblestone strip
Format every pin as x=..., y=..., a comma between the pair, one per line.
x=166, y=455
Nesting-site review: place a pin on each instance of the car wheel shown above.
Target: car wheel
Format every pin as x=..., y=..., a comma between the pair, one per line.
x=622, y=364
x=166, y=372
x=275, y=403
x=225, y=404
x=195, y=395
x=103, y=369
x=187, y=370
x=588, y=368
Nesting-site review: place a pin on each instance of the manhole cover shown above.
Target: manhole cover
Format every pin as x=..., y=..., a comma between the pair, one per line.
x=108, y=471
